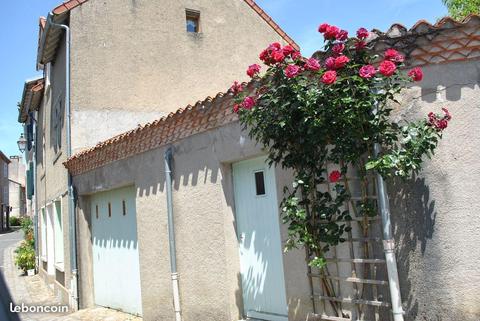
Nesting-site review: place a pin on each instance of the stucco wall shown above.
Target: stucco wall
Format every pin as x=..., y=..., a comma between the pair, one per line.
x=207, y=251
x=3, y=182
x=436, y=213
x=16, y=190
x=51, y=175
x=135, y=61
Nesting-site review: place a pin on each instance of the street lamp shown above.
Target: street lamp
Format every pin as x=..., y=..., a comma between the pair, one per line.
x=22, y=143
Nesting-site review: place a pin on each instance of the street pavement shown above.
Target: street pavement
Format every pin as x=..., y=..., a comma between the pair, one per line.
x=7, y=239
x=18, y=289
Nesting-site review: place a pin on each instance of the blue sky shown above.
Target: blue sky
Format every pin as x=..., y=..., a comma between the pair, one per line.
x=299, y=18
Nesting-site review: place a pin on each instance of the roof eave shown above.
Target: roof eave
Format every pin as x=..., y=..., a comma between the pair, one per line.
x=32, y=92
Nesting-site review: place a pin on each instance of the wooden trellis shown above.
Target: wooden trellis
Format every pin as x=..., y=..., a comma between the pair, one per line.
x=356, y=269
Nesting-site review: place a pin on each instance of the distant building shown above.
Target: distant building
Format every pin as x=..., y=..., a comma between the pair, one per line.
x=4, y=201
x=16, y=186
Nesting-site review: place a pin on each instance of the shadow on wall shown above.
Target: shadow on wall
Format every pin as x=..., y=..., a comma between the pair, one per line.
x=5, y=300
x=413, y=214
x=204, y=169
x=413, y=211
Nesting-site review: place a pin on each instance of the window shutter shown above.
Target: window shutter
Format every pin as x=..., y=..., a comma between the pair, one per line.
x=30, y=178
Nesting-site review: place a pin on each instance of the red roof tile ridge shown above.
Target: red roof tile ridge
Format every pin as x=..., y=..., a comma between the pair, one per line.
x=67, y=6
x=178, y=113
x=437, y=25
x=272, y=23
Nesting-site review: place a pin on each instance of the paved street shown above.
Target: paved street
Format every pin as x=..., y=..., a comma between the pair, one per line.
x=8, y=239
x=31, y=291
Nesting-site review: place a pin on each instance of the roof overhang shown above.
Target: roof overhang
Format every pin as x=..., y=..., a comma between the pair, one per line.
x=50, y=37
x=31, y=98
x=5, y=158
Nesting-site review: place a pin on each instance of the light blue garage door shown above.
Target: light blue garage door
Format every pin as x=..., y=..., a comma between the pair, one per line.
x=258, y=229
x=116, y=269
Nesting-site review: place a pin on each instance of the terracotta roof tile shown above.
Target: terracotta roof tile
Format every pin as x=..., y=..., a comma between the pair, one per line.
x=430, y=43
x=272, y=23
x=42, y=22
x=212, y=112
x=67, y=6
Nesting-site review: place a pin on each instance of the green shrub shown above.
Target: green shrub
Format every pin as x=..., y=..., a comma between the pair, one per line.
x=27, y=225
x=15, y=221
x=25, y=258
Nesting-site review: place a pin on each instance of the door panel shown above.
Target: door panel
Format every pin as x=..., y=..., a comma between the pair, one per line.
x=50, y=241
x=116, y=269
x=258, y=229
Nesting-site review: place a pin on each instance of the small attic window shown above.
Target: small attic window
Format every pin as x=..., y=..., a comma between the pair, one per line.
x=193, y=20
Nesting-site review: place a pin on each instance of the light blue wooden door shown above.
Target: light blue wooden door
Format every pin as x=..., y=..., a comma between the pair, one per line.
x=116, y=271
x=258, y=230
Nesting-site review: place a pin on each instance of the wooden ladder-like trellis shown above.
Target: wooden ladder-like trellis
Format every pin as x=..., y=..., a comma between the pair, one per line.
x=356, y=269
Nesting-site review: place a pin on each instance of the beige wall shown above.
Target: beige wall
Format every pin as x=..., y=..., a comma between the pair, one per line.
x=436, y=213
x=51, y=174
x=133, y=61
x=207, y=252
x=16, y=176
x=3, y=182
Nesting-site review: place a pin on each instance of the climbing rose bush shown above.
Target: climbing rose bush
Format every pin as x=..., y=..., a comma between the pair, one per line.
x=310, y=113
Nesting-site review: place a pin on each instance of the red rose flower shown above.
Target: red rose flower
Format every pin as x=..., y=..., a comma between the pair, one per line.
x=342, y=35
x=323, y=27
x=390, y=54
x=263, y=55
x=329, y=77
x=341, y=61
x=393, y=55
x=367, y=71
x=437, y=122
x=236, y=108
x=362, y=33
x=253, y=70
x=288, y=50
x=236, y=87
x=296, y=55
x=338, y=48
x=291, y=71
x=312, y=64
x=359, y=45
x=278, y=56
x=248, y=102
x=416, y=74
x=274, y=46
x=330, y=63
x=334, y=176
x=387, y=68
x=331, y=32
x=447, y=114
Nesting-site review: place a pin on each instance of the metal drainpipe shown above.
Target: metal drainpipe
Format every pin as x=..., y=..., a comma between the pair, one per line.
x=388, y=244
x=71, y=204
x=35, y=206
x=171, y=234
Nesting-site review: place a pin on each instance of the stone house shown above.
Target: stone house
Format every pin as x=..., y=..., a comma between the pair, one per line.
x=4, y=184
x=216, y=233
x=108, y=66
x=16, y=190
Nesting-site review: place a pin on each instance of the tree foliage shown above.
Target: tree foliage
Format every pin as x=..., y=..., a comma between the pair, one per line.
x=459, y=9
